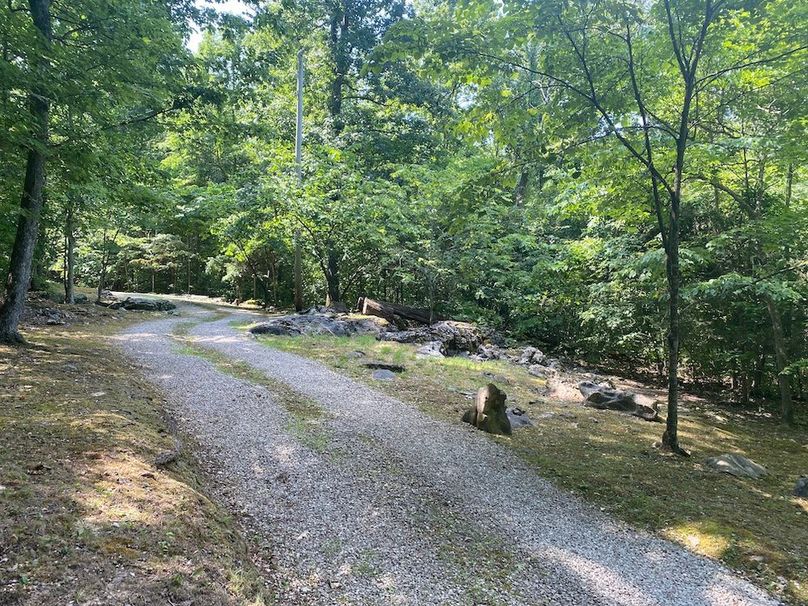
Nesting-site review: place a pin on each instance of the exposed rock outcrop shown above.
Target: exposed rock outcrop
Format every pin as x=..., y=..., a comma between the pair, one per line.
x=142, y=304
x=318, y=324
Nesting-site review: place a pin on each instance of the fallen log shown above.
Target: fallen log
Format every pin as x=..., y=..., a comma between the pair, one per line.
x=393, y=312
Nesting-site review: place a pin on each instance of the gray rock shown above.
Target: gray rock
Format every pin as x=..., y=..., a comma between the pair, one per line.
x=417, y=335
x=376, y=365
x=356, y=354
x=736, y=465
x=543, y=372
x=489, y=413
x=430, y=350
x=801, y=487
x=138, y=304
x=488, y=352
x=518, y=418
x=606, y=397
x=457, y=337
x=166, y=457
x=530, y=355
x=80, y=298
x=383, y=374
x=316, y=323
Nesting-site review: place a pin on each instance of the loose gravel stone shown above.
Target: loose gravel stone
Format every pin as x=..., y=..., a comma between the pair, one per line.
x=374, y=503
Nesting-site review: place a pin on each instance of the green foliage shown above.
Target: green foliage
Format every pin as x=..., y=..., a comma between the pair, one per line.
x=453, y=159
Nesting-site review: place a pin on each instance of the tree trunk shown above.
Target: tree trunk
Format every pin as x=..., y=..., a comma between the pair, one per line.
x=394, y=313
x=789, y=183
x=781, y=358
x=70, y=254
x=521, y=189
x=757, y=380
x=102, y=277
x=22, y=254
x=670, y=438
x=298, y=274
x=333, y=294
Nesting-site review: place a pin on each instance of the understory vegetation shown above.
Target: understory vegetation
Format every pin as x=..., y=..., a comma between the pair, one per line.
x=84, y=513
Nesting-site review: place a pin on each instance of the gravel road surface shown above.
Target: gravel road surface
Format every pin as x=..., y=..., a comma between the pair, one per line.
x=366, y=501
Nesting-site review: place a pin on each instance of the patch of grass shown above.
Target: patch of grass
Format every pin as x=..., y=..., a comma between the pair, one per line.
x=753, y=526
x=242, y=324
x=310, y=433
x=84, y=515
x=367, y=564
x=300, y=406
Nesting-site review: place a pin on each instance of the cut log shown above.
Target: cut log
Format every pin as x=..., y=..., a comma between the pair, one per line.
x=392, y=312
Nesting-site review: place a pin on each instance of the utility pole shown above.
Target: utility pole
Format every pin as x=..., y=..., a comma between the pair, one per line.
x=298, y=269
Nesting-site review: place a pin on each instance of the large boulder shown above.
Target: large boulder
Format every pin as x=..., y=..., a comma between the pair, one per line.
x=530, y=356
x=317, y=324
x=736, y=465
x=429, y=350
x=489, y=413
x=415, y=335
x=457, y=337
x=487, y=352
x=518, y=418
x=606, y=397
x=141, y=304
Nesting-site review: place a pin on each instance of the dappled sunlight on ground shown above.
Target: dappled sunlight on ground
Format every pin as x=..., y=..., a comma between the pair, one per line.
x=601, y=580
x=86, y=513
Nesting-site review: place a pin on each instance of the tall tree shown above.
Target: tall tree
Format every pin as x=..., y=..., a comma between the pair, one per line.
x=33, y=191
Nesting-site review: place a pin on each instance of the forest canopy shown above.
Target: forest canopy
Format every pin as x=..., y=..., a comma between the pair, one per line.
x=622, y=182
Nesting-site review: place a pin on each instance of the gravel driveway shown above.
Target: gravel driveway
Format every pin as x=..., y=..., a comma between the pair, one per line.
x=371, y=502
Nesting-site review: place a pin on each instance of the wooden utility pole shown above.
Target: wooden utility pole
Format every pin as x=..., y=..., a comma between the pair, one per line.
x=298, y=270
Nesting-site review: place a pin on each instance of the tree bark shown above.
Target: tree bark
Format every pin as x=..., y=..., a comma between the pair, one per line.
x=70, y=254
x=393, y=312
x=333, y=294
x=297, y=270
x=22, y=254
x=781, y=358
x=298, y=274
x=670, y=438
x=521, y=189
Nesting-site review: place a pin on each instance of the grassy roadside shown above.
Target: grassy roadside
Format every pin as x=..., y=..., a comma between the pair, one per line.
x=755, y=527
x=85, y=517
